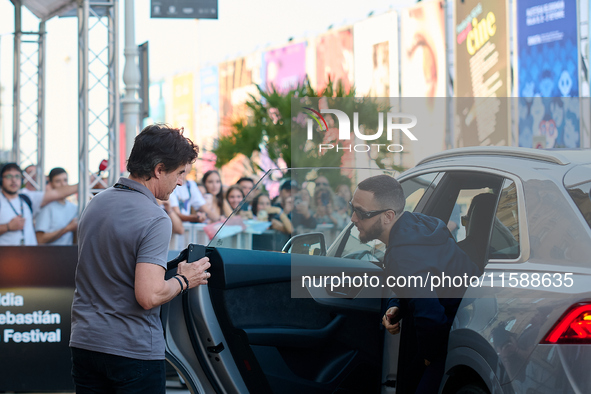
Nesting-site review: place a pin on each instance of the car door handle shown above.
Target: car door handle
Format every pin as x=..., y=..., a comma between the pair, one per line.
x=300, y=337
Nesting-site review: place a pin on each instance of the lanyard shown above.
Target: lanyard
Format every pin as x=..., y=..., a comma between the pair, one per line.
x=14, y=210
x=189, y=189
x=184, y=204
x=22, y=214
x=120, y=186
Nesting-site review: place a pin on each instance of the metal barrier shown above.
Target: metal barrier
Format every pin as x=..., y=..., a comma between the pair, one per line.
x=195, y=234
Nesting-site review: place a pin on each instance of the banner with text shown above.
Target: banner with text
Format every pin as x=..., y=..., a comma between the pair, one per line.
x=209, y=108
x=36, y=292
x=481, y=47
x=548, y=69
x=183, y=102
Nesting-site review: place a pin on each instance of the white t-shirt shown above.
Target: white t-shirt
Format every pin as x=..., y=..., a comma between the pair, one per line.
x=55, y=216
x=17, y=207
x=36, y=198
x=187, y=196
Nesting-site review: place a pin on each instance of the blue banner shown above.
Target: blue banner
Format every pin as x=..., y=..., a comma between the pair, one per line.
x=549, y=111
x=209, y=107
x=210, y=93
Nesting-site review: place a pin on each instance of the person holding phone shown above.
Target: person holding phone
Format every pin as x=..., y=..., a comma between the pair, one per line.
x=325, y=212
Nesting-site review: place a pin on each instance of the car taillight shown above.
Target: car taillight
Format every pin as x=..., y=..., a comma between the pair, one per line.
x=573, y=327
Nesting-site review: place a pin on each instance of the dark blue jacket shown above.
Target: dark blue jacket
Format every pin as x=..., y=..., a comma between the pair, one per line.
x=422, y=246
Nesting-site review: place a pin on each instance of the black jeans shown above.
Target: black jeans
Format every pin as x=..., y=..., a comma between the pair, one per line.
x=95, y=372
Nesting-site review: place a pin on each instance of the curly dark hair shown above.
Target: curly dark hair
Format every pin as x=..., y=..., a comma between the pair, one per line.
x=160, y=143
x=10, y=166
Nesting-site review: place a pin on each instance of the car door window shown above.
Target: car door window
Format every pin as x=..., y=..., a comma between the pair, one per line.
x=481, y=212
x=416, y=188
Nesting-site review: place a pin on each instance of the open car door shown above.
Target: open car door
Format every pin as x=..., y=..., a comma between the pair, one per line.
x=244, y=332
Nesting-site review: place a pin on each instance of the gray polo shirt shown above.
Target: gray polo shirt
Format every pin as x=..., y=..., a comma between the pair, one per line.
x=118, y=229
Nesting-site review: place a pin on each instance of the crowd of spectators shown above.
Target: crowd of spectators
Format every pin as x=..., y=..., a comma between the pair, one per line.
x=31, y=217
x=296, y=209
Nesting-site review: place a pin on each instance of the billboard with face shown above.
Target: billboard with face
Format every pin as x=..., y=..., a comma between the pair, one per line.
x=376, y=56
x=334, y=58
x=423, y=80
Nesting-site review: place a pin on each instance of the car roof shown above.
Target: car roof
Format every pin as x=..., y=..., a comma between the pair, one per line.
x=557, y=156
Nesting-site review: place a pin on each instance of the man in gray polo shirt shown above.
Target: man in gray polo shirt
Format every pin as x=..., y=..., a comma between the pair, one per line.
x=117, y=339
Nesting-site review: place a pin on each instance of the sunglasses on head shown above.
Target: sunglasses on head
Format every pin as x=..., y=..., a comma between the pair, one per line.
x=362, y=215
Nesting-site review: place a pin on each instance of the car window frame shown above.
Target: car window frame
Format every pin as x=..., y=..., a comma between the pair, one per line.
x=524, y=252
x=429, y=190
x=337, y=247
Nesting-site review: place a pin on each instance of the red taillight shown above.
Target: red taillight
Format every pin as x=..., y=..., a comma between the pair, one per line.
x=573, y=327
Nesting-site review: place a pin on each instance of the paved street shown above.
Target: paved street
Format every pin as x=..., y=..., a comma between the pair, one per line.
x=174, y=387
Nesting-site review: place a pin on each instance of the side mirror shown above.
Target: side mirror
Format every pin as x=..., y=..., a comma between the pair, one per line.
x=312, y=244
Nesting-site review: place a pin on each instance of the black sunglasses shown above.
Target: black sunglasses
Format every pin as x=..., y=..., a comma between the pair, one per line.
x=362, y=215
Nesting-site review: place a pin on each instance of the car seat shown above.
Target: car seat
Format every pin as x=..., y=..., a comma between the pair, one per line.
x=480, y=218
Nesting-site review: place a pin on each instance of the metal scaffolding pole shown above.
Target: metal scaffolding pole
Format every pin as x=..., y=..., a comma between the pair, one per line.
x=131, y=78
x=41, y=108
x=98, y=95
x=83, y=182
x=28, y=142
x=16, y=98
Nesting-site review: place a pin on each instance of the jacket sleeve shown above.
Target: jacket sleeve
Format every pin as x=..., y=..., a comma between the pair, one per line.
x=393, y=302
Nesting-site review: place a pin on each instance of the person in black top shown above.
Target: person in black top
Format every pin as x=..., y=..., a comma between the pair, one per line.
x=417, y=246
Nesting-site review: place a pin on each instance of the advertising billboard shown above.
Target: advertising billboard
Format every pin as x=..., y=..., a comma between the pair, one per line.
x=183, y=103
x=237, y=79
x=334, y=58
x=375, y=46
x=36, y=292
x=548, y=74
x=209, y=107
x=286, y=67
x=481, y=47
x=423, y=81
x=422, y=41
x=157, y=104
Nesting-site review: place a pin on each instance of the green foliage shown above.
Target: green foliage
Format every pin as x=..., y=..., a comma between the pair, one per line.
x=272, y=124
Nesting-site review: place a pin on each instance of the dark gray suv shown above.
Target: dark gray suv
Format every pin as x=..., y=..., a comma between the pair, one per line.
x=524, y=216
